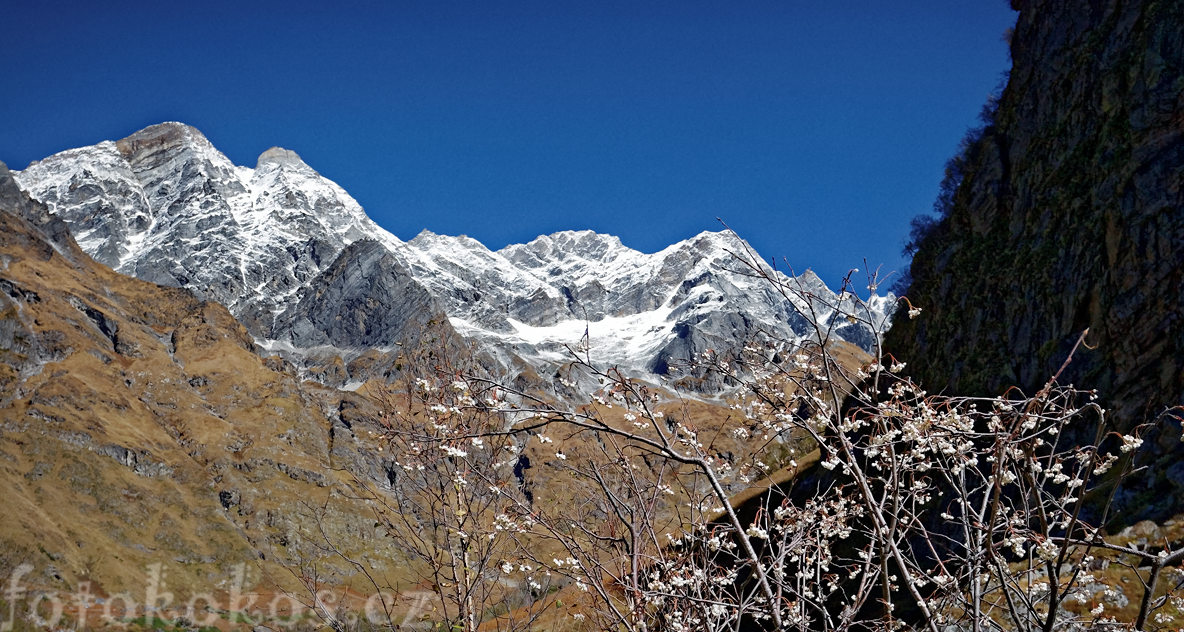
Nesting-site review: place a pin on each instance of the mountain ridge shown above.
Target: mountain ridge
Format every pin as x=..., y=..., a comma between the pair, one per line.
x=164, y=205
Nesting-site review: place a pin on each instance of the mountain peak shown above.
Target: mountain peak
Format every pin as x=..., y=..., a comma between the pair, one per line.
x=162, y=135
x=581, y=243
x=281, y=157
x=424, y=235
x=168, y=127
x=581, y=236
x=722, y=238
x=427, y=238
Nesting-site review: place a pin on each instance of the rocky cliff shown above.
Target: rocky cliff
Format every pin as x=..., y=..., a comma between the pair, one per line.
x=1069, y=215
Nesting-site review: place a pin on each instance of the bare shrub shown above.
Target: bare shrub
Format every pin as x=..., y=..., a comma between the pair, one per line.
x=890, y=507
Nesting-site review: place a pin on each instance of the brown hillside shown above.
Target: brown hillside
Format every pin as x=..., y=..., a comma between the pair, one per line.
x=138, y=426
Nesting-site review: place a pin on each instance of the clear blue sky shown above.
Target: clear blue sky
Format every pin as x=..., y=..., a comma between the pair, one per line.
x=815, y=129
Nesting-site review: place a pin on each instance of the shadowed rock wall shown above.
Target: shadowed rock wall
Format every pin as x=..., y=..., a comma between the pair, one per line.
x=1070, y=215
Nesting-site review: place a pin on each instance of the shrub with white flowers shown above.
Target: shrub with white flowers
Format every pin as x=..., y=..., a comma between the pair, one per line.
x=865, y=502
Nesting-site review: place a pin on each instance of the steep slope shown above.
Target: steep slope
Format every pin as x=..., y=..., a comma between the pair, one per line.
x=367, y=282
x=139, y=426
x=280, y=246
x=1070, y=214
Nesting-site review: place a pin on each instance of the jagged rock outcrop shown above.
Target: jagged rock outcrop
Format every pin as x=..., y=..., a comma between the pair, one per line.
x=53, y=228
x=364, y=298
x=1070, y=215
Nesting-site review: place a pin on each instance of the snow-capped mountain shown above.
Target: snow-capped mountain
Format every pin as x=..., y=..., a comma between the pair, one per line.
x=637, y=309
x=165, y=206
x=299, y=262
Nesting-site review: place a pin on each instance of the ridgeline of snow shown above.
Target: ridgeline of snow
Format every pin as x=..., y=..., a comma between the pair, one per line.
x=166, y=206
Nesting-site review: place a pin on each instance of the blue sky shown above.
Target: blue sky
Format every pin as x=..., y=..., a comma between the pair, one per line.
x=815, y=129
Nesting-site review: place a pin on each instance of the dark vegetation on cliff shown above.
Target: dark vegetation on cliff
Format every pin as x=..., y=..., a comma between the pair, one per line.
x=1065, y=211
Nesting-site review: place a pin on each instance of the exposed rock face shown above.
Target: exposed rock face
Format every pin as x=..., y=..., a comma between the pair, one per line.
x=364, y=298
x=1070, y=215
x=18, y=203
x=280, y=246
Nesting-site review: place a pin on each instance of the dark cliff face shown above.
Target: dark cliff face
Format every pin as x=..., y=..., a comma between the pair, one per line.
x=365, y=297
x=1070, y=215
